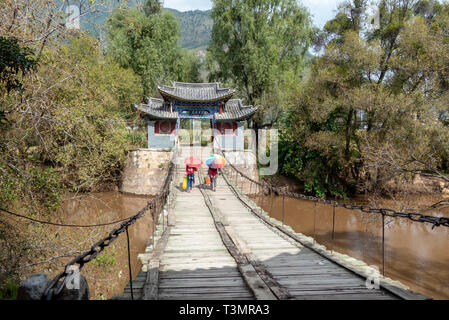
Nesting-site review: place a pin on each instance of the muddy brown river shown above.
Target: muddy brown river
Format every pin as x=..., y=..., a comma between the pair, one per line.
x=105, y=207
x=415, y=254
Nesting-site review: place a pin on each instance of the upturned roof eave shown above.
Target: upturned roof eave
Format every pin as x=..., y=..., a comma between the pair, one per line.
x=243, y=116
x=155, y=114
x=226, y=97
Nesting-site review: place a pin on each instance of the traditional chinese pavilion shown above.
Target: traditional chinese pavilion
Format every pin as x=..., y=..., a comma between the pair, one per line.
x=196, y=101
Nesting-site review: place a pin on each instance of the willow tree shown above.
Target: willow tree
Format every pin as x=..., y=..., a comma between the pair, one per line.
x=147, y=41
x=254, y=44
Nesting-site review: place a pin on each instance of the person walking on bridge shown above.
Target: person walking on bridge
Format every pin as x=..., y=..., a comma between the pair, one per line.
x=213, y=178
x=214, y=162
x=190, y=172
x=192, y=165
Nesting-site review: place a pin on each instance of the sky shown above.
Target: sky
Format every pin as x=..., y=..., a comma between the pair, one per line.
x=321, y=10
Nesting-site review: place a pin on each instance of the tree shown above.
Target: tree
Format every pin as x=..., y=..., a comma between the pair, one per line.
x=63, y=129
x=147, y=42
x=254, y=43
x=15, y=61
x=373, y=110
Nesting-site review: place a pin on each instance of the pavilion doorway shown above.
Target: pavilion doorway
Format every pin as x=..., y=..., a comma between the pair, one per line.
x=199, y=132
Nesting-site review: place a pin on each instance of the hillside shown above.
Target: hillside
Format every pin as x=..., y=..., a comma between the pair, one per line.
x=196, y=28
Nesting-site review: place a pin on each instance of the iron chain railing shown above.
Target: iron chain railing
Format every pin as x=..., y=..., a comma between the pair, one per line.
x=417, y=216
x=55, y=286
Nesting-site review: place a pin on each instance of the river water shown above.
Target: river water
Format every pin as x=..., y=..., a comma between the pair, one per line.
x=415, y=254
x=107, y=277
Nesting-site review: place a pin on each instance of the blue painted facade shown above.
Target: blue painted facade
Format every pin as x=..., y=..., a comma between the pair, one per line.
x=159, y=141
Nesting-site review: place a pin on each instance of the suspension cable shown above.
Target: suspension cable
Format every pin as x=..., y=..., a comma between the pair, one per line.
x=416, y=216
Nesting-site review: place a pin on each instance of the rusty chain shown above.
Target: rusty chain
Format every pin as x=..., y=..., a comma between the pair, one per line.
x=54, y=289
x=417, y=216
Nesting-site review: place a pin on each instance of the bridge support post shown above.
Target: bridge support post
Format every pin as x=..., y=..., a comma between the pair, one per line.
x=314, y=224
x=383, y=244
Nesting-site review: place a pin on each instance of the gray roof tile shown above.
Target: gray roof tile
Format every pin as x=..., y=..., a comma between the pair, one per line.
x=233, y=110
x=156, y=109
x=196, y=91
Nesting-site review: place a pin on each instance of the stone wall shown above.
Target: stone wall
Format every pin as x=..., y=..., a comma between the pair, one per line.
x=145, y=171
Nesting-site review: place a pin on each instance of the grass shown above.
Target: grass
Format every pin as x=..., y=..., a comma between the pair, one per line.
x=107, y=259
x=9, y=290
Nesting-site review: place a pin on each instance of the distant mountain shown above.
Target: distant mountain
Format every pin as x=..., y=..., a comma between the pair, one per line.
x=196, y=28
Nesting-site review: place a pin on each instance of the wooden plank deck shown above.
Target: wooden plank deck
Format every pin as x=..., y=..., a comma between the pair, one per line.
x=304, y=273
x=196, y=264
x=189, y=273
x=218, y=249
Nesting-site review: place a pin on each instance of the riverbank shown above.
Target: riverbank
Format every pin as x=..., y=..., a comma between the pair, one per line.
x=419, y=185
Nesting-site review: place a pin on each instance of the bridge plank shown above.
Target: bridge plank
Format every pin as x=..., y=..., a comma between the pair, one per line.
x=294, y=261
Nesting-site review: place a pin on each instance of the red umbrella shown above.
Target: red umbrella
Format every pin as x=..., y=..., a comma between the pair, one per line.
x=193, y=162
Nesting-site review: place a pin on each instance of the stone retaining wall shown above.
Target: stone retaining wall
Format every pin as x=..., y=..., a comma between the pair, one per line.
x=145, y=171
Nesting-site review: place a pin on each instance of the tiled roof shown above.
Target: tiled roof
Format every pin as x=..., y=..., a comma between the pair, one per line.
x=157, y=109
x=234, y=110
x=197, y=92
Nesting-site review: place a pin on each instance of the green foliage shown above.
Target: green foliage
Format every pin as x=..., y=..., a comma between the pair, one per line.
x=148, y=44
x=196, y=28
x=73, y=135
x=46, y=185
x=315, y=171
x=8, y=186
x=15, y=62
x=107, y=259
x=396, y=76
x=255, y=44
x=137, y=138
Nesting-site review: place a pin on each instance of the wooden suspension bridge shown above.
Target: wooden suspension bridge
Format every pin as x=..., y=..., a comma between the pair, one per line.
x=219, y=246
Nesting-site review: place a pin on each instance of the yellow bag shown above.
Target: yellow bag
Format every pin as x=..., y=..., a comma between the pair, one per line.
x=207, y=180
x=184, y=183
